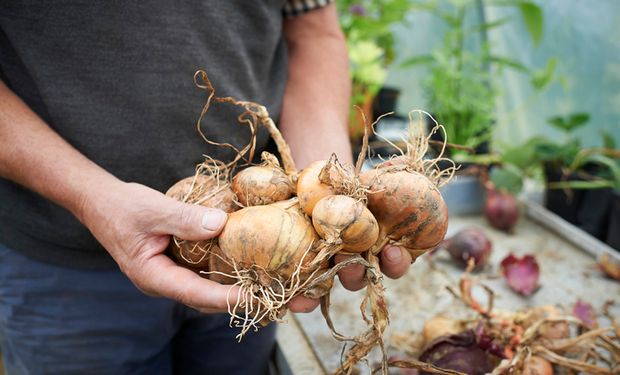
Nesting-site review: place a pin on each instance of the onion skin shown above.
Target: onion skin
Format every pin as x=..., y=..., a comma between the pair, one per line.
x=339, y=217
x=459, y=352
x=470, y=243
x=206, y=190
x=550, y=330
x=259, y=185
x=409, y=208
x=309, y=188
x=269, y=239
x=438, y=326
x=501, y=210
x=537, y=366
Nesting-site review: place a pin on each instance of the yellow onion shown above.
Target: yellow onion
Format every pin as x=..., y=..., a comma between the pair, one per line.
x=409, y=208
x=270, y=240
x=342, y=219
x=206, y=191
x=309, y=187
x=261, y=184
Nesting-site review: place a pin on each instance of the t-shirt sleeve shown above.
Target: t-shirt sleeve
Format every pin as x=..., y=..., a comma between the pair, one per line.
x=294, y=8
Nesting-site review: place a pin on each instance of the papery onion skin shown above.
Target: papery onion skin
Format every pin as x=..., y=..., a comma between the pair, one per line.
x=309, y=188
x=438, y=326
x=537, y=366
x=339, y=217
x=459, y=352
x=208, y=192
x=260, y=185
x=270, y=239
x=409, y=208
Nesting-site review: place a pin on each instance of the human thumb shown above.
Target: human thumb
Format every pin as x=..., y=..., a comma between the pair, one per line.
x=193, y=222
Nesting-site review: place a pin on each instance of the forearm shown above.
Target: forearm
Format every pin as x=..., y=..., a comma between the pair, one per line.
x=33, y=155
x=316, y=102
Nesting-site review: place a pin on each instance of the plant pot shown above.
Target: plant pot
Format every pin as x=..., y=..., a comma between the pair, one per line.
x=385, y=101
x=464, y=195
x=560, y=201
x=613, y=227
x=585, y=208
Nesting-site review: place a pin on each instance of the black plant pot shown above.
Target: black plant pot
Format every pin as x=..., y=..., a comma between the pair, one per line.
x=587, y=209
x=563, y=203
x=613, y=228
x=385, y=101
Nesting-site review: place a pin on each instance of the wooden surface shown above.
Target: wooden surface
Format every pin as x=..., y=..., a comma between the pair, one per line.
x=568, y=272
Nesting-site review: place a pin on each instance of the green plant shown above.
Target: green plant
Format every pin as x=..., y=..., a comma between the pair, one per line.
x=367, y=25
x=460, y=86
x=596, y=167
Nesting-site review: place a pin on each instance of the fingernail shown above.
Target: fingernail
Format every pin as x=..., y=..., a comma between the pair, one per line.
x=394, y=254
x=213, y=219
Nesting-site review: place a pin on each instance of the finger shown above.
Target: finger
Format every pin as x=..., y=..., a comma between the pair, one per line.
x=160, y=276
x=352, y=276
x=395, y=261
x=303, y=304
x=190, y=221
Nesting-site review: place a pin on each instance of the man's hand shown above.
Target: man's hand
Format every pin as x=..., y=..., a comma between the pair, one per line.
x=134, y=223
x=395, y=262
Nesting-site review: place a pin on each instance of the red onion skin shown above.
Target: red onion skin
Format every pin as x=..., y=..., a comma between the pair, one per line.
x=470, y=243
x=459, y=352
x=521, y=274
x=501, y=210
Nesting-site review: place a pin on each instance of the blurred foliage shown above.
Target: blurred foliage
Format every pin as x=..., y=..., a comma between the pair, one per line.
x=367, y=25
x=461, y=88
x=597, y=167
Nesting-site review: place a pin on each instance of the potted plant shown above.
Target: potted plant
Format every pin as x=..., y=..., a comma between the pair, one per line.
x=461, y=88
x=578, y=181
x=367, y=25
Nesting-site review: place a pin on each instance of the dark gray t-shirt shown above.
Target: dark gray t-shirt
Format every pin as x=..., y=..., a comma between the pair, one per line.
x=115, y=79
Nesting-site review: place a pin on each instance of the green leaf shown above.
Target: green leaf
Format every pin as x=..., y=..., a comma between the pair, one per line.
x=608, y=140
x=505, y=61
x=596, y=184
x=571, y=122
x=542, y=78
x=489, y=25
x=417, y=60
x=507, y=178
x=533, y=18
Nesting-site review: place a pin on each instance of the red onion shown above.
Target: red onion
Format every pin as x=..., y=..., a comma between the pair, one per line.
x=521, y=273
x=469, y=243
x=460, y=352
x=501, y=210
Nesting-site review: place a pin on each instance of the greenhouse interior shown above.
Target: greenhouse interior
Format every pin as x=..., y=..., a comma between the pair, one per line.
x=310, y=187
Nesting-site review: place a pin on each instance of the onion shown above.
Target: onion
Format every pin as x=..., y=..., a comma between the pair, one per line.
x=409, y=208
x=549, y=330
x=470, y=243
x=535, y=365
x=262, y=184
x=309, y=188
x=270, y=240
x=459, y=352
x=438, y=326
x=501, y=210
x=206, y=191
x=342, y=220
